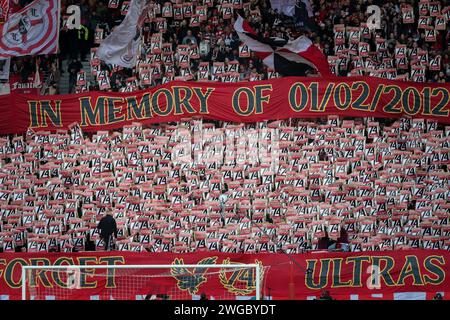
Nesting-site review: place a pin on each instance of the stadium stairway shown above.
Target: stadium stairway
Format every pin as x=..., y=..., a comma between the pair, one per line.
x=64, y=80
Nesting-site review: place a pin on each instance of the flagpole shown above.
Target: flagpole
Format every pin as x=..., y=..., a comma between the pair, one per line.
x=59, y=25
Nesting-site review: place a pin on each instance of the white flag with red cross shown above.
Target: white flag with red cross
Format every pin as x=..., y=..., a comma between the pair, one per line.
x=33, y=30
x=4, y=10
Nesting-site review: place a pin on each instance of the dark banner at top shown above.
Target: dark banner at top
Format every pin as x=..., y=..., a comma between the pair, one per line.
x=281, y=98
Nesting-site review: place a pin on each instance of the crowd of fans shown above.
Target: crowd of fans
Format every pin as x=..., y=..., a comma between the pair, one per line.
x=411, y=44
x=279, y=186
x=282, y=186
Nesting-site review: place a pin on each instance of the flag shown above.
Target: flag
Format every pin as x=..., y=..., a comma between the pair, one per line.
x=292, y=58
x=32, y=30
x=301, y=51
x=121, y=46
x=4, y=8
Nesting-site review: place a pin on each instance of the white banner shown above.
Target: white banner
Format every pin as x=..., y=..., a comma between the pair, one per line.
x=121, y=46
x=31, y=31
x=4, y=69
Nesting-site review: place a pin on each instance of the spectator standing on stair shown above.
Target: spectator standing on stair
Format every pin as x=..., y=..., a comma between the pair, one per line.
x=74, y=67
x=108, y=228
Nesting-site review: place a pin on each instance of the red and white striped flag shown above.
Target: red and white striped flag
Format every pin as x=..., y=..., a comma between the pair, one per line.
x=293, y=58
x=4, y=8
x=33, y=30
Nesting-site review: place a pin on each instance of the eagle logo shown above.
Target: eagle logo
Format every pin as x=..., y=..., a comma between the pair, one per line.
x=191, y=279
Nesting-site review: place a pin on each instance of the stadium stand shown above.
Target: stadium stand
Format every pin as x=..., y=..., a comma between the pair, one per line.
x=287, y=183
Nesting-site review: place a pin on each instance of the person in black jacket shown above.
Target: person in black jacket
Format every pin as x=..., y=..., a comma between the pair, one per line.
x=324, y=242
x=107, y=227
x=325, y=295
x=74, y=67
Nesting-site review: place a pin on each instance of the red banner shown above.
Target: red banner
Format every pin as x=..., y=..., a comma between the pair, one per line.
x=238, y=102
x=411, y=274
x=29, y=86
